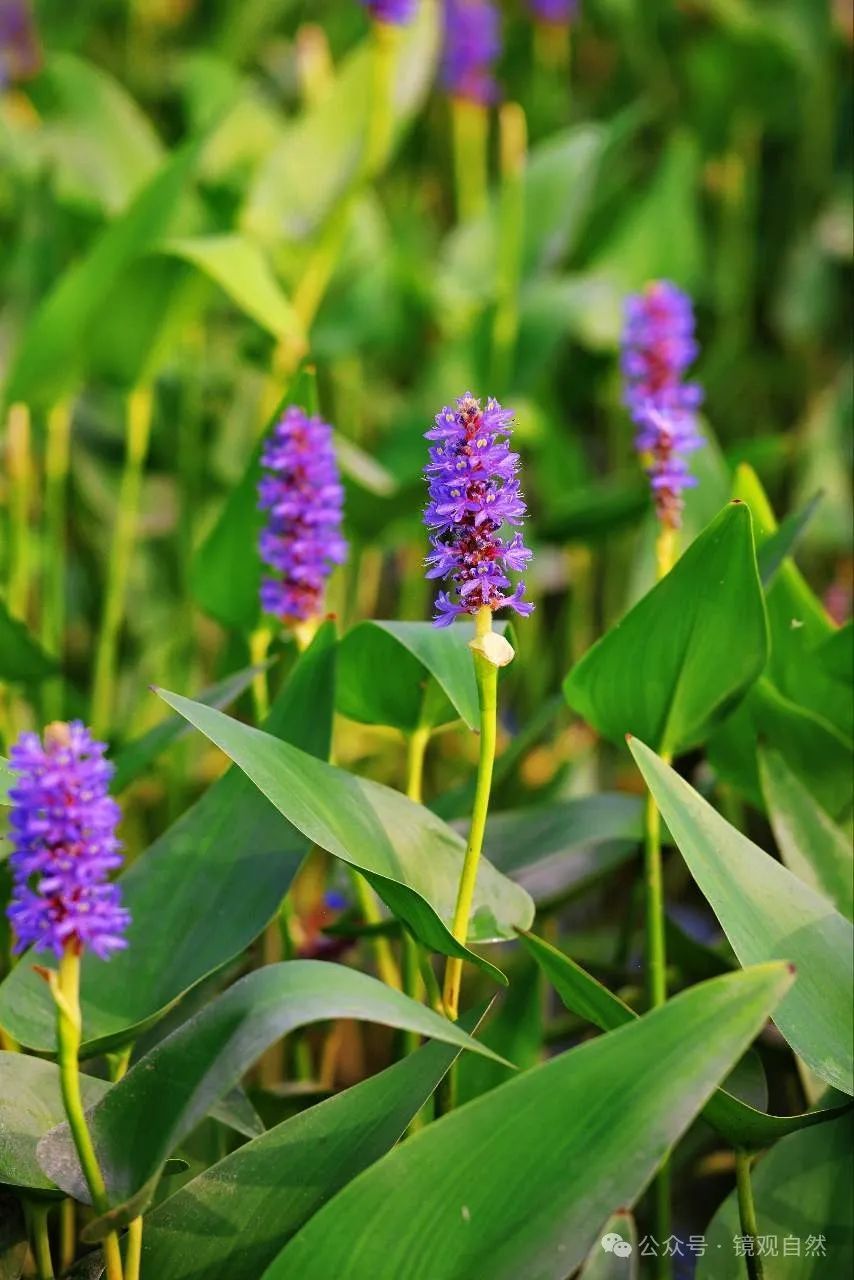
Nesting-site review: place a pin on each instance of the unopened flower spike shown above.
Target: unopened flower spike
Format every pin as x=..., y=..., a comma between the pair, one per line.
x=472, y=47
x=302, y=494
x=396, y=13
x=473, y=494
x=64, y=844
x=658, y=347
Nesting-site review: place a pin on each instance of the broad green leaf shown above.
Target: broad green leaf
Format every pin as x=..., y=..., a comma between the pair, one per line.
x=778, y=545
x=768, y=914
x=261, y=1194
x=135, y=756
x=198, y=897
x=225, y=577
x=174, y=1086
x=802, y=1190
x=51, y=356
x=516, y=1185
x=30, y=1106
x=427, y=674
x=410, y=856
x=810, y=842
x=327, y=141
x=736, y=1120
x=686, y=653
x=560, y=849
x=21, y=657
x=242, y=271
x=99, y=144
x=606, y=1263
x=513, y=1028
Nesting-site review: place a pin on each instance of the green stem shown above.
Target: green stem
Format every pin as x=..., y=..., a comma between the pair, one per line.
x=67, y=1234
x=383, y=954
x=37, y=1213
x=416, y=747
x=139, y=414
x=386, y=38
x=470, y=128
x=512, y=148
x=747, y=1214
x=20, y=473
x=486, y=674
x=69, y=1031
x=133, y=1249
x=55, y=509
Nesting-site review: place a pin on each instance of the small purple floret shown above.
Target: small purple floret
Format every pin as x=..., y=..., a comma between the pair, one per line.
x=395, y=12
x=474, y=491
x=658, y=347
x=64, y=842
x=557, y=12
x=472, y=47
x=302, y=494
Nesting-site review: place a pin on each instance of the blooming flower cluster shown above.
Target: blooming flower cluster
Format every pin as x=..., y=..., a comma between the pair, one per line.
x=658, y=347
x=472, y=46
x=64, y=844
x=302, y=493
x=474, y=492
x=557, y=12
x=395, y=12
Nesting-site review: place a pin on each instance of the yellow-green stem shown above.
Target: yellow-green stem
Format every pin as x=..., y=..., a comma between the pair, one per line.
x=513, y=136
x=19, y=467
x=486, y=674
x=470, y=129
x=67, y=1234
x=55, y=505
x=416, y=747
x=139, y=414
x=259, y=644
x=385, y=39
x=37, y=1213
x=133, y=1249
x=747, y=1214
x=383, y=954
x=69, y=1031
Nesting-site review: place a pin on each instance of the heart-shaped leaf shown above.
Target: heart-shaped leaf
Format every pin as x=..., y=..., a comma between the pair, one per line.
x=198, y=897
x=144, y=1117
x=741, y=1124
x=686, y=653
x=261, y=1194
x=410, y=856
x=768, y=914
x=810, y=842
x=516, y=1184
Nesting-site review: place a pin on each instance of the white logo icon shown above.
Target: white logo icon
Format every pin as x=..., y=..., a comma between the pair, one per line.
x=614, y=1243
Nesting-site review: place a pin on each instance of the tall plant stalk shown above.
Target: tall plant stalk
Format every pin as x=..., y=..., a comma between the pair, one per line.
x=55, y=512
x=470, y=130
x=20, y=474
x=37, y=1227
x=139, y=415
x=513, y=139
x=747, y=1214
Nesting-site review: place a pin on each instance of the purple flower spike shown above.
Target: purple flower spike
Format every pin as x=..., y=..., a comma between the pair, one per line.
x=472, y=46
x=20, y=55
x=557, y=12
x=303, y=495
x=64, y=844
x=658, y=347
x=473, y=493
x=394, y=12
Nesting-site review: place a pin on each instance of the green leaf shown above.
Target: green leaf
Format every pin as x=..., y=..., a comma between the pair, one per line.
x=801, y=1189
x=21, y=657
x=6, y=780
x=50, y=359
x=428, y=674
x=30, y=1106
x=178, y=1081
x=225, y=577
x=410, y=856
x=736, y=1120
x=775, y=548
x=135, y=757
x=560, y=849
x=810, y=843
x=686, y=653
x=767, y=914
x=242, y=271
x=516, y=1185
x=198, y=897
x=98, y=143
x=262, y=1193
x=602, y=1262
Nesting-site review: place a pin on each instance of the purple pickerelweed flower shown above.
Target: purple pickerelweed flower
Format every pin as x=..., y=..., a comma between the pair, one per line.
x=20, y=55
x=473, y=493
x=472, y=46
x=302, y=493
x=64, y=844
x=394, y=12
x=557, y=12
x=658, y=347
